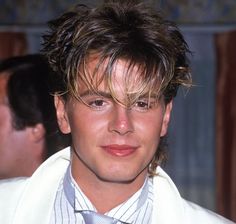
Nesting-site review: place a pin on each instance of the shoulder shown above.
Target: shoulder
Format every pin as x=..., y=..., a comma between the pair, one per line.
x=11, y=187
x=172, y=208
x=202, y=215
x=10, y=194
x=16, y=195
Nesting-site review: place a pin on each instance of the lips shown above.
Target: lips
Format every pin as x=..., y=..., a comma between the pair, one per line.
x=120, y=150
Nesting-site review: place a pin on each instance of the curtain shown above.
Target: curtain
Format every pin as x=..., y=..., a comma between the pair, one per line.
x=12, y=44
x=191, y=135
x=226, y=123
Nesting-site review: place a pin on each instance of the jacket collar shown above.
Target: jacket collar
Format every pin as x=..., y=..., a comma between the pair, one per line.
x=168, y=204
x=167, y=207
x=40, y=186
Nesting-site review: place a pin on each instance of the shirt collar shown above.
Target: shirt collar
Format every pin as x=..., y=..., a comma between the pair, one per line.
x=79, y=201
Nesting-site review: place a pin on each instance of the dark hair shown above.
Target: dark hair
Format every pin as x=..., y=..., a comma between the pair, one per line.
x=29, y=97
x=117, y=30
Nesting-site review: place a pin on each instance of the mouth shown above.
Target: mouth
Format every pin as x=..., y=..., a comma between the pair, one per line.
x=120, y=150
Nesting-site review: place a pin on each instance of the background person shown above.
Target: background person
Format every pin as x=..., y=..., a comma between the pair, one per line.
x=28, y=127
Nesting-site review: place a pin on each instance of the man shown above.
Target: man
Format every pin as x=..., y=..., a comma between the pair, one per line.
x=118, y=68
x=28, y=132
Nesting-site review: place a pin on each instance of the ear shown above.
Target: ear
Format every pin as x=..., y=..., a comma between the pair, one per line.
x=166, y=118
x=62, y=117
x=37, y=132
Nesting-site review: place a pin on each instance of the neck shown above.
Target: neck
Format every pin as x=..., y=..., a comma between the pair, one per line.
x=106, y=195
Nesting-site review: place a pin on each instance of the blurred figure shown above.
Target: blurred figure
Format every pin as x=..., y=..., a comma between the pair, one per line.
x=28, y=125
x=12, y=44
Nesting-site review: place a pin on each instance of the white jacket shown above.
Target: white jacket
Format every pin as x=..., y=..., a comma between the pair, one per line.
x=30, y=200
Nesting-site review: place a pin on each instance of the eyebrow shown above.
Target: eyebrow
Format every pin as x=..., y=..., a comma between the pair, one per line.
x=97, y=93
x=109, y=96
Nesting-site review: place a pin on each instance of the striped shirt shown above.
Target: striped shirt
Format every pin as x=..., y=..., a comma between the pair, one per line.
x=70, y=200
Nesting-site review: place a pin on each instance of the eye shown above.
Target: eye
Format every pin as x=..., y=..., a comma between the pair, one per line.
x=97, y=103
x=141, y=105
x=144, y=104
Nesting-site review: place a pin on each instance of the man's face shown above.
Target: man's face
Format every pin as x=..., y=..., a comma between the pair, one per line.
x=113, y=143
x=13, y=144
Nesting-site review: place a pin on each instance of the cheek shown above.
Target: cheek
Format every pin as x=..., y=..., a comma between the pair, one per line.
x=7, y=141
x=149, y=131
x=5, y=122
x=85, y=127
x=10, y=147
x=150, y=126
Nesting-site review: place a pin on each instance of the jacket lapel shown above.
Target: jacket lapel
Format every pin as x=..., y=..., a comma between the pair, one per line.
x=43, y=184
x=167, y=204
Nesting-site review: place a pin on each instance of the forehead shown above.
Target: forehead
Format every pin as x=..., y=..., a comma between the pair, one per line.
x=107, y=74
x=107, y=65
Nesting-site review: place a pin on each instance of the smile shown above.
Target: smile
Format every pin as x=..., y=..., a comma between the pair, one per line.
x=119, y=150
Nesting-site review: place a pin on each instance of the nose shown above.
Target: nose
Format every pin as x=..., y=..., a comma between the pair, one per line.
x=121, y=120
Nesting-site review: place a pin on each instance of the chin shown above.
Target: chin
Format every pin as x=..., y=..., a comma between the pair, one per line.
x=119, y=177
x=117, y=180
